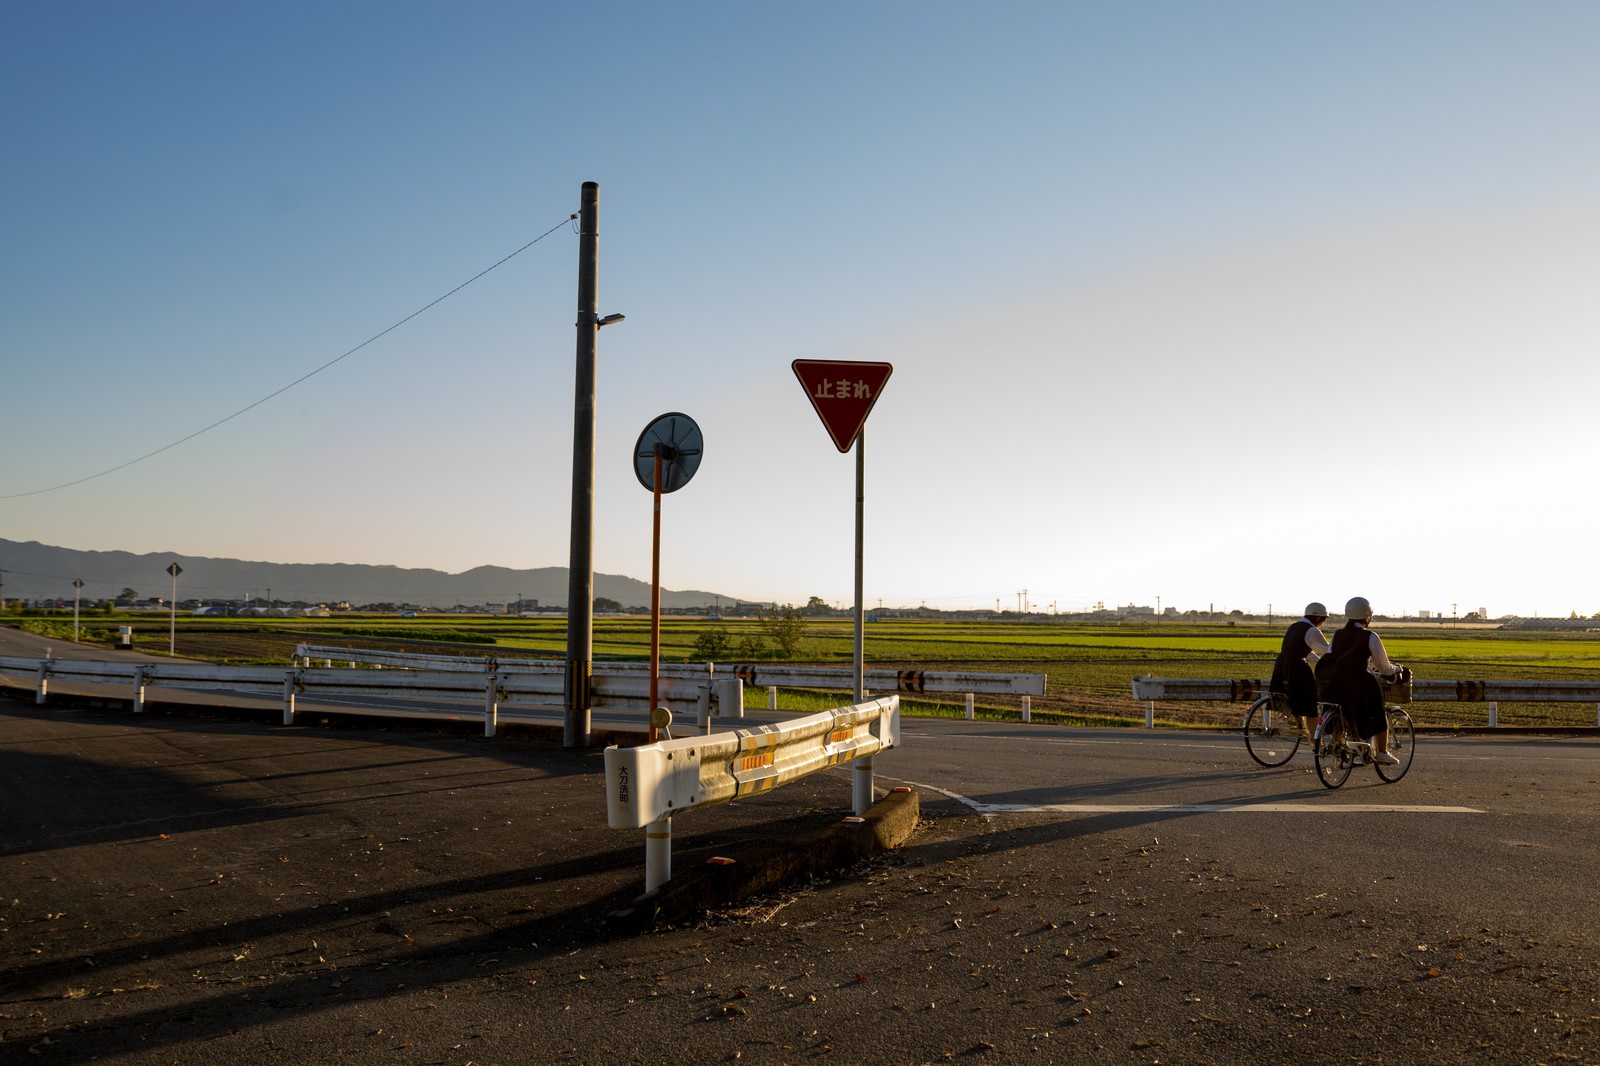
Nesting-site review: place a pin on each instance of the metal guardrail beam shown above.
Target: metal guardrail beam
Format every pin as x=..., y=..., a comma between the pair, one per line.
x=911, y=681
x=646, y=786
x=769, y=674
x=1247, y=690
x=404, y=660
x=1489, y=692
x=647, y=783
x=538, y=689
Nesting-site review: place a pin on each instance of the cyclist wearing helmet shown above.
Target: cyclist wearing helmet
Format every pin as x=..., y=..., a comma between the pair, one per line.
x=1353, y=686
x=1292, y=678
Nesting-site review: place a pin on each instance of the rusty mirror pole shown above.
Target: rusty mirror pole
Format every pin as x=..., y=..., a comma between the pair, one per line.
x=666, y=457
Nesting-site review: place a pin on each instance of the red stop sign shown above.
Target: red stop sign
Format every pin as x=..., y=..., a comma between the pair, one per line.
x=842, y=392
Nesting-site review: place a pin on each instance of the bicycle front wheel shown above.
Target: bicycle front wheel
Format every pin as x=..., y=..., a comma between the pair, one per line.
x=1334, y=757
x=1401, y=745
x=1271, y=740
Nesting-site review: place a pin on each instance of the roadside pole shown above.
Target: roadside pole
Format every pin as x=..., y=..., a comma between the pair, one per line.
x=580, y=567
x=861, y=790
x=665, y=458
x=172, y=632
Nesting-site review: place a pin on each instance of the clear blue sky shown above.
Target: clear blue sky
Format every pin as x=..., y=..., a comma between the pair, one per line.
x=1228, y=304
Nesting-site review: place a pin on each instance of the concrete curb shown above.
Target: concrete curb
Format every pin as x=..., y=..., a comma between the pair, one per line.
x=887, y=825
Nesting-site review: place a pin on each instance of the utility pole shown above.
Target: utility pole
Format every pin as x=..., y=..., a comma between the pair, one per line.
x=580, y=567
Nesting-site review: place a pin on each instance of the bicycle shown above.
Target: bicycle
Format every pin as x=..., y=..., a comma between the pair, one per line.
x=1338, y=749
x=1269, y=743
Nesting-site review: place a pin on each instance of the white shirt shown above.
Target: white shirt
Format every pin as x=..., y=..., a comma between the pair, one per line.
x=1380, y=658
x=1316, y=644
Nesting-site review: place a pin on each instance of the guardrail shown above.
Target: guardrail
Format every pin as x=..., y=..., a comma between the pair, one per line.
x=775, y=675
x=308, y=654
x=1493, y=693
x=771, y=676
x=539, y=690
x=646, y=786
x=702, y=688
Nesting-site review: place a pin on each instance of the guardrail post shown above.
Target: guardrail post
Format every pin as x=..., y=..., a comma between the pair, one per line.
x=861, y=786
x=702, y=707
x=1150, y=715
x=1494, y=715
x=728, y=694
x=772, y=697
x=43, y=689
x=658, y=853
x=138, y=690
x=1027, y=708
x=491, y=705
x=288, y=698
x=969, y=707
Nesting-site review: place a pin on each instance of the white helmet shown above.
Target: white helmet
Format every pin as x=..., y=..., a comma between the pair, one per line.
x=1358, y=607
x=1316, y=610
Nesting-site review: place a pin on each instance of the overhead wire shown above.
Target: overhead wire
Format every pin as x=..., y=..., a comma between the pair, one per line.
x=297, y=381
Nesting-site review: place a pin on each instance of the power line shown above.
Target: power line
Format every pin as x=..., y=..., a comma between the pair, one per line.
x=299, y=380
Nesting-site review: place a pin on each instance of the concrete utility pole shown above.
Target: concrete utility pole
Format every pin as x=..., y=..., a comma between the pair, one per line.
x=580, y=568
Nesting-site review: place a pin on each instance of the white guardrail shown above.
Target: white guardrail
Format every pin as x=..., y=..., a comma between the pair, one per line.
x=646, y=786
x=540, y=689
x=704, y=689
x=771, y=676
x=1493, y=693
x=775, y=675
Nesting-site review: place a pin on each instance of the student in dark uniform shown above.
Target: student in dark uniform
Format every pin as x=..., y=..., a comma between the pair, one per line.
x=1292, y=678
x=1353, y=685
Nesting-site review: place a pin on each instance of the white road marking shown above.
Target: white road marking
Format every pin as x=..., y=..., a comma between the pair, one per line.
x=1215, y=808
x=980, y=807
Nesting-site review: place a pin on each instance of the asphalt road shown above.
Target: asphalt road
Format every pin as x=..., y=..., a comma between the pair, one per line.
x=212, y=890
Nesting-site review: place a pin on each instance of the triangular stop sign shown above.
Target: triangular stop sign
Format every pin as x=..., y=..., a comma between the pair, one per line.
x=843, y=392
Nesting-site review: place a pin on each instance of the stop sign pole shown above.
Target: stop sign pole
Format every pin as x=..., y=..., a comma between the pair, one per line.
x=843, y=392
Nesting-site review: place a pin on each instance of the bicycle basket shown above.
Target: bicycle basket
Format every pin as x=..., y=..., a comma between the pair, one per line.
x=1395, y=691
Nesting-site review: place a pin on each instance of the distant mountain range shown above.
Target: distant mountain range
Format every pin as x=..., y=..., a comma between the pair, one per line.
x=30, y=570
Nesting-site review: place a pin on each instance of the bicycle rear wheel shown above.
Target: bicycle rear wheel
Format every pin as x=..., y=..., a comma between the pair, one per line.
x=1271, y=739
x=1334, y=757
x=1401, y=745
